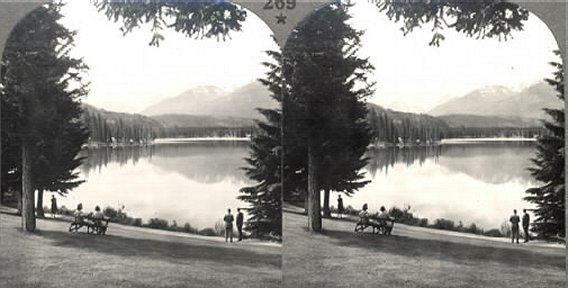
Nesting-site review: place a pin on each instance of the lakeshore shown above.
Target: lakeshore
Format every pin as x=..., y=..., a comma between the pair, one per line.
x=413, y=257
x=131, y=257
x=168, y=141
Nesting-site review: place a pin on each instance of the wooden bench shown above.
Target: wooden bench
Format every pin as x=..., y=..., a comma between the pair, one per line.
x=379, y=225
x=94, y=225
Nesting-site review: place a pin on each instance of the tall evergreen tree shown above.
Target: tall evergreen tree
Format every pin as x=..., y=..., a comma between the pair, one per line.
x=550, y=169
x=265, y=159
x=328, y=86
x=44, y=126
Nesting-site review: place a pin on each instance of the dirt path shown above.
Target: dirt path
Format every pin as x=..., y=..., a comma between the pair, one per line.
x=130, y=257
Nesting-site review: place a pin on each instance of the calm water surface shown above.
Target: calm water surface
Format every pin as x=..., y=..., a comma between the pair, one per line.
x=185, y=182
x=477, y=183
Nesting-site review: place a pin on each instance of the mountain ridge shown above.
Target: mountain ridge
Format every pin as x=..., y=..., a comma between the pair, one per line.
x=502, y=101
x=213, y=101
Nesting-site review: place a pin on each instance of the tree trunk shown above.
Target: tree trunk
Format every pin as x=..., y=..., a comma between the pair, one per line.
x=314, y=213
x=28, y=203
x=326, y=211
x=39, y=206
x=19, y=199
x=306, y=207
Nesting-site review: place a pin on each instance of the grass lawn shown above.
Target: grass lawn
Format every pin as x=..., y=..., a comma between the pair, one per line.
x=413, y=257
x=130, y=257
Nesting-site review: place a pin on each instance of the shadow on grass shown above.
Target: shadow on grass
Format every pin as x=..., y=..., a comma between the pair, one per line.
x=162, y=250
x=447, y=251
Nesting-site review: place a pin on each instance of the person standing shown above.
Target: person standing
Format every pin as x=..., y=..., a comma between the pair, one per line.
x=514, y=226
x=526, y=221
x=228, y=225
x=240, y=223
x=53, y=205
x=340, y=207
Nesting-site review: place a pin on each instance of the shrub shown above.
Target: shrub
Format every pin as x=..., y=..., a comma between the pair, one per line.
x=493, y=233
x=474, y=229
x=208, y=232
x=423, y=222
x=444, y=224
x=349, y=210
x=220, y=228
x=187, y=228
x=506, y=229
x=135, y=222
x=64, y=211
x=111, y=213
x=174, y=226
x=157, y=223
x=332, y=209
x=403, y=215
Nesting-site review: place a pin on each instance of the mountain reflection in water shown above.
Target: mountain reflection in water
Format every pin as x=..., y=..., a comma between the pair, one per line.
x=187, y=182
x=202, y=162
x=496, y=162
x=470, y=182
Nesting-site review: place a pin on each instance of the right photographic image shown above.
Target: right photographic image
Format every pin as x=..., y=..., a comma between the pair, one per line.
x=423, y=146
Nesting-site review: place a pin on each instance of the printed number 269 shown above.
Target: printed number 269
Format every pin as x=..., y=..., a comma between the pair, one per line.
x=280, y=4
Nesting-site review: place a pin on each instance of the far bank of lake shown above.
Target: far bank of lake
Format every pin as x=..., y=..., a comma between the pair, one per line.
x=194, y=182
x=479, y=181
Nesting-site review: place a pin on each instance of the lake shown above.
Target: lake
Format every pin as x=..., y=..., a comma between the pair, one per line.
x=191, y=182
x=477, y=183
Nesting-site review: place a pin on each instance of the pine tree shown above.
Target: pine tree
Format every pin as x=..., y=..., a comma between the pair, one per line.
x=45, y=128
x=265, y=159
x=327, y=89
x=199, y=19
x=550, y=169
x=480, y=19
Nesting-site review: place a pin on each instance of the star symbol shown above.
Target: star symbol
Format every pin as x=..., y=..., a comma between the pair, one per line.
x=281, y=19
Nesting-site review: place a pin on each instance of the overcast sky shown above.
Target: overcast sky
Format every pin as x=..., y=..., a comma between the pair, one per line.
x=127, y=75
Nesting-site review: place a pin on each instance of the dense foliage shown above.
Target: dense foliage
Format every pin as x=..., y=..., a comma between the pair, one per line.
x=265, y=159
x=41, y=108
x=550, y=169
x=475, y=18
x=197, y=19
x=326, y=111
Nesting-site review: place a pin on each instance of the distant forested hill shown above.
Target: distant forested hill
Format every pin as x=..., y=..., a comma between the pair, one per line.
x=113, y=127
x=477, y=121
x=393, y=127
x=107, y=127
x=180, y=125
x=390, y=126
x=182, y=120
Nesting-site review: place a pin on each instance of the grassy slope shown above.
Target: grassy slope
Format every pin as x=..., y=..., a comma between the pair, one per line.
x=412, y=257
x=130, y=257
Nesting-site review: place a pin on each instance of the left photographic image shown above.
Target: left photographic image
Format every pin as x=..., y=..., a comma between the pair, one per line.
x=141, y=147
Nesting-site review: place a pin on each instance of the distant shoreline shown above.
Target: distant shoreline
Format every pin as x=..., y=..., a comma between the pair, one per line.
x=248, y=139
x=485, y=140
x=200, y=139
x=168, y=141
x=452, y=141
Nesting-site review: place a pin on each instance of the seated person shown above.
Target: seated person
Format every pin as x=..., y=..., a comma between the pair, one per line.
x=80, y=219
x=79, y=214
x=364, y=214
x=384, y=214
x=98, y=216
x=386, y=219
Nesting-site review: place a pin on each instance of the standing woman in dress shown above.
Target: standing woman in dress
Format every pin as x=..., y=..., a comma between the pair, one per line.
x=340, y=207
x=53, y=205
